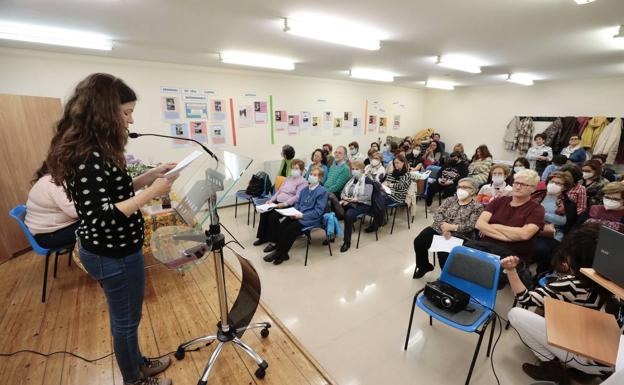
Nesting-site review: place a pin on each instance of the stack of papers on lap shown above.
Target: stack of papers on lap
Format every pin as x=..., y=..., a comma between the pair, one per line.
x=265, y=207
x=441, y=244
x=289, y=212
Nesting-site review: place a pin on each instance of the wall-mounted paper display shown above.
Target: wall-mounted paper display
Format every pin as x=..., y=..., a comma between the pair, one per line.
x=217, y=110
x=171, y=107
x=357, y=126
x=260, y=112
x=217, y=133
x=245, y=118
x=337, y=122
x=169, y=90
x=196, y=110
x=348, y=120
x=180, y=130
x=293, y=124
x=372, y=123
x=396, y=124
x=383, y=124
x=306, y=120
x=328, y=120
x=280, y=121
x=199, y=131
x=316, y=125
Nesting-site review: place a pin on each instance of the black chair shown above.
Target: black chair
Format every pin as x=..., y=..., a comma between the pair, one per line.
x=361, y=217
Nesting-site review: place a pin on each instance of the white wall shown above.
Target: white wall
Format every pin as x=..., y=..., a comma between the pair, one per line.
x=40, y=73
x=479, y=115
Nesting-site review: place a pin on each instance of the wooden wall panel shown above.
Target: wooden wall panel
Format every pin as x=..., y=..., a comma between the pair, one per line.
x=26, y=127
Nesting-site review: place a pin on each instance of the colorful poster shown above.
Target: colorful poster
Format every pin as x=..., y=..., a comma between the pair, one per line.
x=217, y=110
x=348, y=120
x=316, y=125
x=260, y=112
x=357, y=126
x=328, y=120
x=217, y=133
x=396, y=124
x=383, y=124
x=372, y=123
x=293, y=124
x=180, y=130
x=306, y=120
x=199, y=131
x=196, y=110
x=280, y=121
x=245, y=118
x=171, y=107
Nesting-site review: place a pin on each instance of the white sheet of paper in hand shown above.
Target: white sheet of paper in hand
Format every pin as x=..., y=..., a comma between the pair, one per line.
x=289, y=212
x=441, y=244
x=265, y=207
x=386, y=189
x=183, y=164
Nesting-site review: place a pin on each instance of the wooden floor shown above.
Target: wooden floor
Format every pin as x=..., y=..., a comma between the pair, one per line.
x=177, y=308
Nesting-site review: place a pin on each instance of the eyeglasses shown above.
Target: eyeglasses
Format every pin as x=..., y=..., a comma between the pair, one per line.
x=522, y=185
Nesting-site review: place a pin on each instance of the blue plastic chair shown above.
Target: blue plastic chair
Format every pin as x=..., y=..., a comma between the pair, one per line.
x=433, y=176
x=393, y=209
x=19, y=214
x=242, y=195
x=476, y=273
x=307, y=232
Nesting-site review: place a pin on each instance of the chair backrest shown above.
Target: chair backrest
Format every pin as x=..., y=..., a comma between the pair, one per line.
x=473, y=271
x=434, y=171
x=278, y=182
x=19, y=214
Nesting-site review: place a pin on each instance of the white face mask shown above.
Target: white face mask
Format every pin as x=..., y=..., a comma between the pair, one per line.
x=313, y=179
x=498, y=180
x=553, y=189
x=517, y=169
x=356, y=174
x=610, y=204
x=295, y=172
x=462, y=194
x=354, y=151
x=588, y=175
x=375, y=162
x=416, y=152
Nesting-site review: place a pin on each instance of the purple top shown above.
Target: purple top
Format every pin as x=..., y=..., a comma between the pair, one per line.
x=289, y=190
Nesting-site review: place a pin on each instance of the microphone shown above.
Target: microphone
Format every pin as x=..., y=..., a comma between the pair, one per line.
x=135, y=135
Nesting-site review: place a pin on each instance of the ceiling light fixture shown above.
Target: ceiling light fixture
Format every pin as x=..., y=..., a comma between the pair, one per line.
x=257, y=60
x=333, y=31
x=372, y=74
x=523, y=79
x=439, y=84
x=581, y=2
x=459, y=64
x=54, y=36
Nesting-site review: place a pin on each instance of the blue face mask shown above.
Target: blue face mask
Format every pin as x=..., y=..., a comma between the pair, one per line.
x=313, y=179
x=356, y=174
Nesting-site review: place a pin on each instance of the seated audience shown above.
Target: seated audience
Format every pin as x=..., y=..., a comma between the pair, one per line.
x=375, y=170
x=436, y=138
x=593, y=181
x=354, y=152
x=312, y=203
x=513, y=221
x=520, y=164
x=339, y=172
x=459, y=148
x=286, y=196
x=558, y=161
x=328, y=149
x=457, y=215
x=356, y=199
x=539, y=155
x=374, y=146
x=449, y=175
x=397, y=183
x=559, y=216
x=575, y=153
x=607, y=172
x=389, y=153
x=288, y=153
x=577, y=192
x=319, y=160
x=432, y=155
x=611, y=212
x=498, y=186
x=414, y=158
x=479, y=167
x=50, y=216
x=576, y=251
x=370, y=153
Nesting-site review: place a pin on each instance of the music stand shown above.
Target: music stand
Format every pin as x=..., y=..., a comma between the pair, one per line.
x=204, y=187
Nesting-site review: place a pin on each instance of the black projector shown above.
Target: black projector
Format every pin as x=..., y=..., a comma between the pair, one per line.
x=446, y=296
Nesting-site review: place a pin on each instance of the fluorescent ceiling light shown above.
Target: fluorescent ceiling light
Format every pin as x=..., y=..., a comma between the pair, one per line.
x=372, y=74
x=333, y=31
x=459, y=64
x=54, y=36
x=439, y=84
x=257, y=60
x=523, y=79
x=583, y=1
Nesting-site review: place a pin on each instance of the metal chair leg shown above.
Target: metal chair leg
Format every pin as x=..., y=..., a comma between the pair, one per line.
x=407, y=212
x=474, y=357
x=235, y=206
x=308, y=237
x=393, y=218
x=329, y=245
x=248, y=211
x=359, y=232
x=409, y=325
x=45, y=277
x=494, y=320
x=254, y=218
x=55, y=263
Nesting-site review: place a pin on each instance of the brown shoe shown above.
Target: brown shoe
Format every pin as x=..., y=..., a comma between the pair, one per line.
x=547, y=371
x=152, y=367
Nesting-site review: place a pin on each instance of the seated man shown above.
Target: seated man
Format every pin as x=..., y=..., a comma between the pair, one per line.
x=451, y=172
x=513, y=221
x=339, y=174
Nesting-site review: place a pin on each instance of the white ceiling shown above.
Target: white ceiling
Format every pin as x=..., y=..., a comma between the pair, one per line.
x=552, y=39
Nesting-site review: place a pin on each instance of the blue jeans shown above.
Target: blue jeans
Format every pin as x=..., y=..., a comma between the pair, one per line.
x=123, y=281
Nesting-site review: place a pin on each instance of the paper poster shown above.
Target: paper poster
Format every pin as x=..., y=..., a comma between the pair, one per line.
x=348, y=120
x=396, y=124
x=316, y=125
x=383, y=124
x=293, y=124
x=260, y=112
x=217, y=133
x=217, y=110
x=337, y=126
x=199, y=131
x=171, y=107
x=180, y=130
x=196, y=110
x=245, y=118
x=357, y=126
x=328, y=120
x=306, y=120
x=372, y=123
x=280, y=121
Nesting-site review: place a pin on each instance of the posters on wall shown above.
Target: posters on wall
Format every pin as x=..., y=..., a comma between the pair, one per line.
x=306, y=120
x=293, y=124
x=196, y=110
x=217, y=110
x=316, y=125
x=328, y=120
x=383, y=124
x=179, y=130
x=260, y=112
x=280, y=121
x=245, y=116
x=217, y=134
x=348, y=120
x=171, y=107
x=357, y=126
x=199, y=131
x=337, y=126
x=396, y=123
x=372, y=123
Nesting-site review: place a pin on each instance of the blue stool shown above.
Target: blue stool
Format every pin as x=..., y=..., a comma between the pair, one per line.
x=19, y=214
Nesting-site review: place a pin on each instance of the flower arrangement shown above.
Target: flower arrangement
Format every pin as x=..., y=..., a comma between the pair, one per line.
x=135, y=166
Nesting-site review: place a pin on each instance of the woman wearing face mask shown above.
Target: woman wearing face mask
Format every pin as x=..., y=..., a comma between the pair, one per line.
x=286, y=196
x=520, y=164
x=456, y=216
x=375, y=170
x=356, y=199
x=414, y=158
x=593, y=181
x=311, y=204
x=459, y=148
x=611, y=212
x=498, y=187
x=559, y=216
x=319, y=160
x=452, y=171
x=354, y=152
x=397, y=182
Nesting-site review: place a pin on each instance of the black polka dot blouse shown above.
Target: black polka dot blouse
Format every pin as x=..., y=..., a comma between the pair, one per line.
x=104, y=229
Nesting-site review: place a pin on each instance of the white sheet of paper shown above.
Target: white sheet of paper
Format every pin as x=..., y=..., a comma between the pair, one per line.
x=443, y=245
x=289, y=212
x=184, y=163
x=386, y=189
x=265, y=207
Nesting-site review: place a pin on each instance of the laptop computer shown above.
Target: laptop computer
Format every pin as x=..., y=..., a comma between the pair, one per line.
x=609, y=258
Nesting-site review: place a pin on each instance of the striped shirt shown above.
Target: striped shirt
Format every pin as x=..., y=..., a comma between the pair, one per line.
x=566, y=288
x=398, y=186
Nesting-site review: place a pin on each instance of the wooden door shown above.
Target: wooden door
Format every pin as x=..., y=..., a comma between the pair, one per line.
x=26, y=127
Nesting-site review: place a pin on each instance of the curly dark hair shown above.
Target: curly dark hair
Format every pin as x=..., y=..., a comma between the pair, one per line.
x=323, y=156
